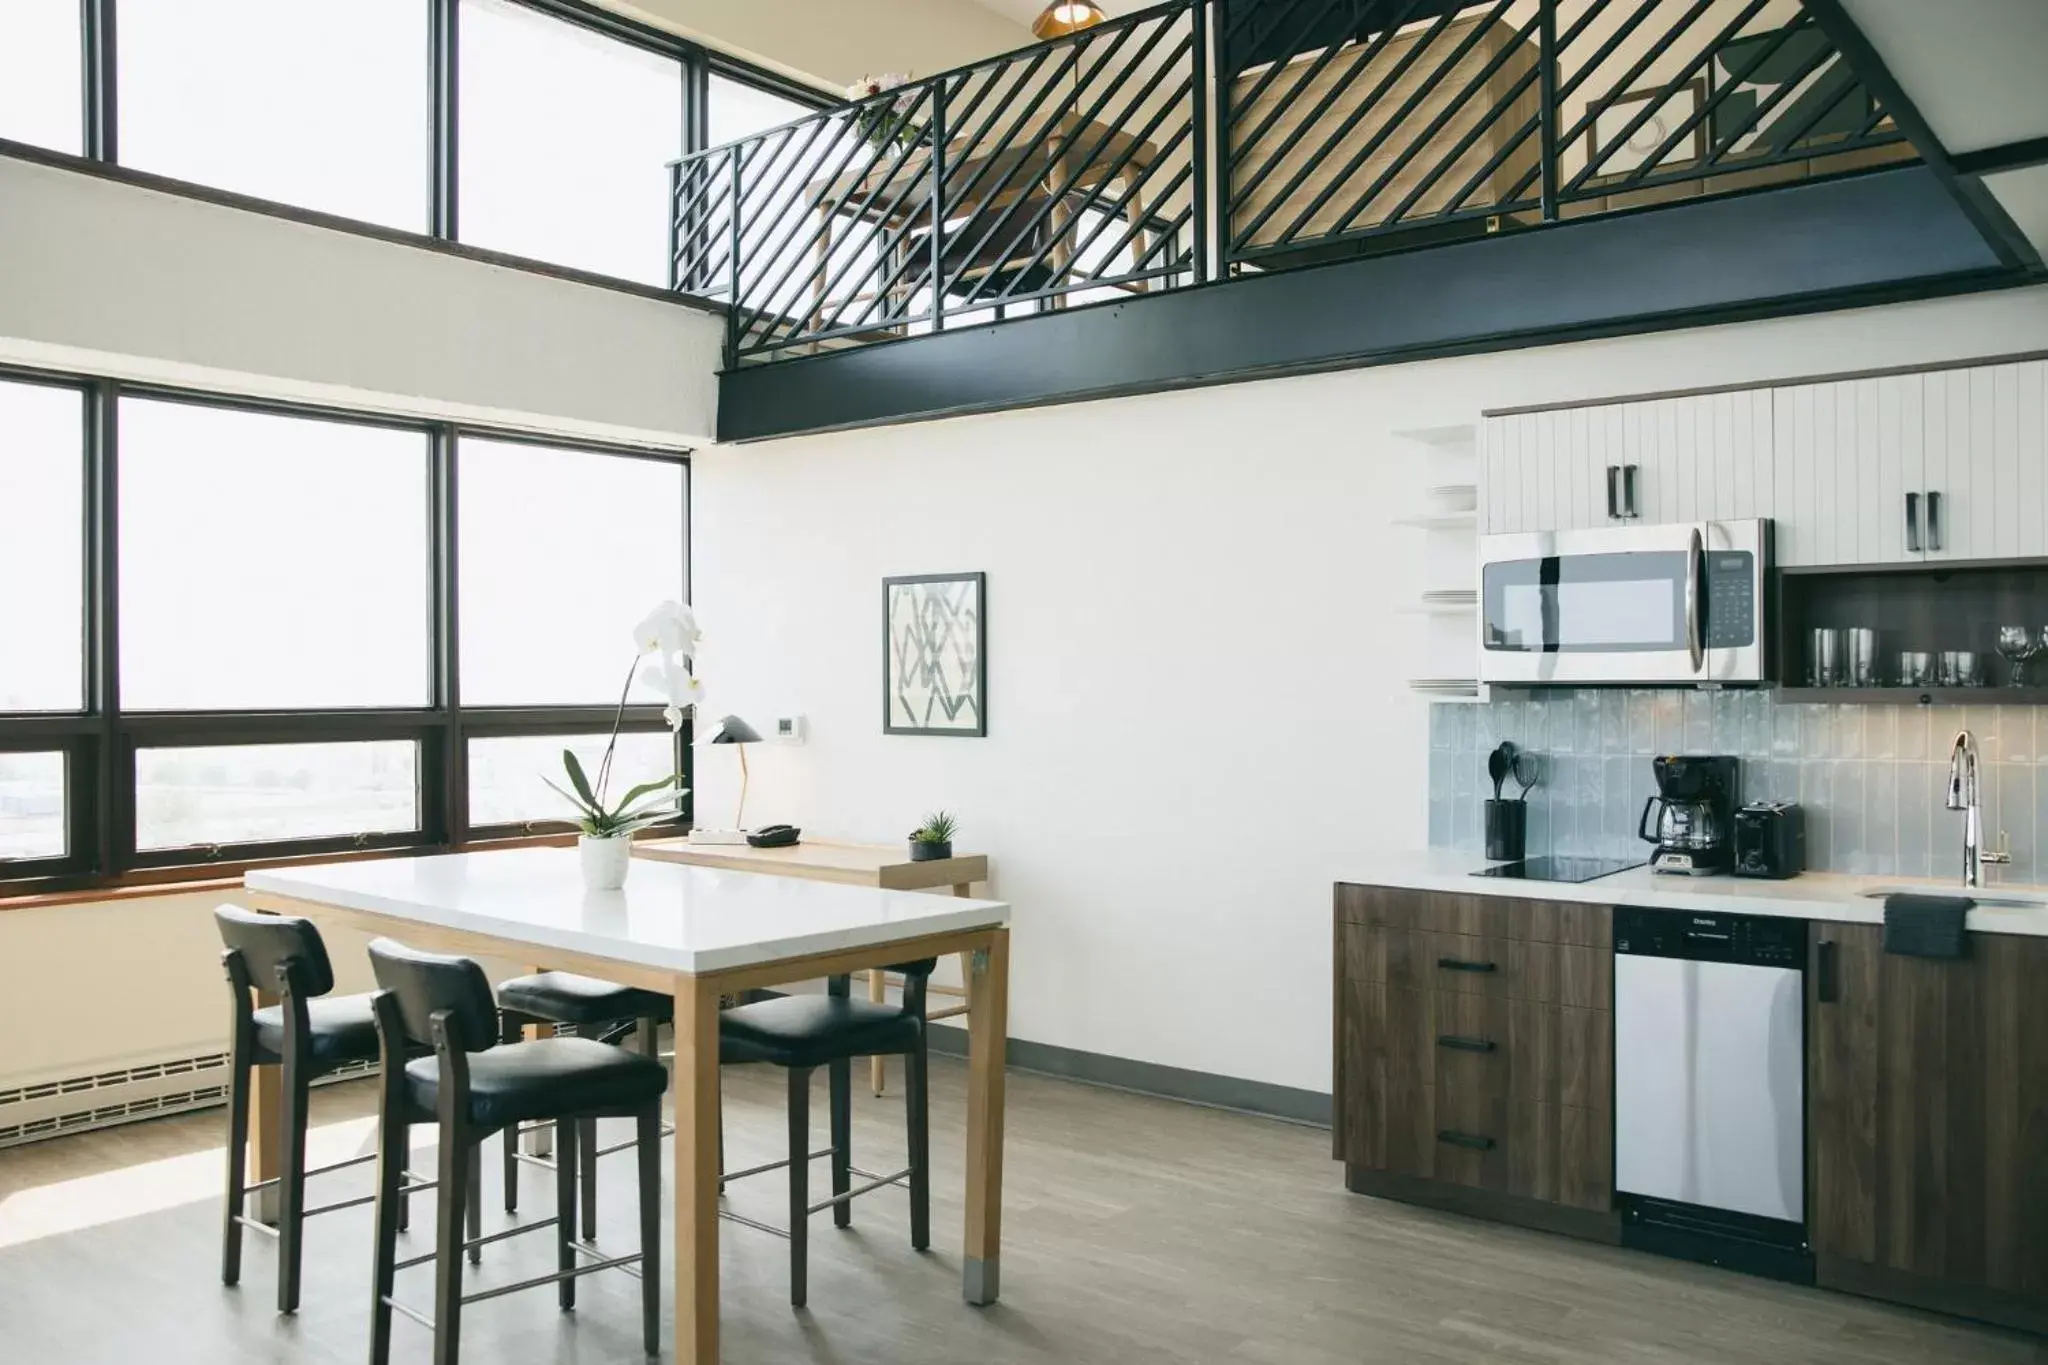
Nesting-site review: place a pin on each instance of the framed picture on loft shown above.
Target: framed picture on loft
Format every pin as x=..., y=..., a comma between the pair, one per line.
x=935, y=655
x=1670, y=109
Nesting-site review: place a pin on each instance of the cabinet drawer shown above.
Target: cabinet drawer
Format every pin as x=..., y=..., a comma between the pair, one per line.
x=1522, y=1051
x=1384, y=1055
x=1554, y=1153
x=1474, y=964
x=1590, y=926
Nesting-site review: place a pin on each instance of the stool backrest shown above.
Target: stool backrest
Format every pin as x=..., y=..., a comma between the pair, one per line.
x=267, y=942
x=424, y=984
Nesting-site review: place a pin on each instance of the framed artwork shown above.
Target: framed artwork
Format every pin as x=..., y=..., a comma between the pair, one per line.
x=1672, y=108
x=934, y=655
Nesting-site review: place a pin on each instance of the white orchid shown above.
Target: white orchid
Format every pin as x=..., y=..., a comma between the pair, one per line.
x=670, y=628
x=665, y=648
x=668, y=640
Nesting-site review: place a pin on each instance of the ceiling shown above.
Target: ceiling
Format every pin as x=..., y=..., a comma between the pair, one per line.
x=1024, y=11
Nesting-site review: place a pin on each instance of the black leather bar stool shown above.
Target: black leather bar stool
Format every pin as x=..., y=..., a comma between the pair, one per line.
x=804, y=1032
x=307, y=1034
x=595, y=1009
x=474, y=1086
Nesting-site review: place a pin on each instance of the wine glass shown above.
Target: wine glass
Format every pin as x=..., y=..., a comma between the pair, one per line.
x=2019, y=644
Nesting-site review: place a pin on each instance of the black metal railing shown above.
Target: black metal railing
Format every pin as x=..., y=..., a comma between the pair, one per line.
x=1207, y=137
x=1062, y=174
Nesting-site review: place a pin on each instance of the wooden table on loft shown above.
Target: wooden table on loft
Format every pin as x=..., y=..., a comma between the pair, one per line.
x=894, y=193
x=694, y=934
x=882, y=865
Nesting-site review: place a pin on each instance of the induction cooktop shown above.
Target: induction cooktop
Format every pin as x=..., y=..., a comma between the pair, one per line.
x=1558, y=869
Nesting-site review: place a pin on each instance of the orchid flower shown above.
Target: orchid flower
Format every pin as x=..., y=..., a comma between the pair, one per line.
x=665, y=646
x=670, y=628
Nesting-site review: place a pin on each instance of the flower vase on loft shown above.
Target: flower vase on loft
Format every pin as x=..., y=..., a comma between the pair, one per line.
x=667, y=644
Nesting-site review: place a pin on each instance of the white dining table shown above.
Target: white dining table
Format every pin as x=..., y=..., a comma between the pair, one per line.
x=696, y=934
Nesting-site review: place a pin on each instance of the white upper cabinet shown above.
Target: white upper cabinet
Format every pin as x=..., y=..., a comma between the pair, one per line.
x=1703, y=457
x=1903, y=468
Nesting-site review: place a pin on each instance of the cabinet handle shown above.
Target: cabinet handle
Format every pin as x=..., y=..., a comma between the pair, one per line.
x=1459, y=964
x=1628, y=491
x=1459, y=1044
x=1457, y=1139
x=1614, y=492
x=1827, y=985
x=1913, y=523
x=1933, y=522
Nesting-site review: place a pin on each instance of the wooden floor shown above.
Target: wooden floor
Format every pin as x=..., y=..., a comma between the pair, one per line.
x=1136, y=1231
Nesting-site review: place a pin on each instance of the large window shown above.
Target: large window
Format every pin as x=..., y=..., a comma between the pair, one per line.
x=226, y=631
x=309, y=102
x=42, y=75
x=738, y=109
x=566, y=135
x=302, y=542
x=42, y=548
x=563, y=553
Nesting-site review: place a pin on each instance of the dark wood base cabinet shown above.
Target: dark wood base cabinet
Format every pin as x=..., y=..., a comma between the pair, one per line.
x=1475, y=1055
x=1927, y=1123
x=1475, y=1073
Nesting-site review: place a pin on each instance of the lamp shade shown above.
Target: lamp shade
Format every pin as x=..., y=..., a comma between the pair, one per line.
x=1062, y=17
x=733, y=730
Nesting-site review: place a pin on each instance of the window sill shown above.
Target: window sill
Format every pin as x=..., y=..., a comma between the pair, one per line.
x=185, y=881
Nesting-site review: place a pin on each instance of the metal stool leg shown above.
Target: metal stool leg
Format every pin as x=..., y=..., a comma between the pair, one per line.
x=799, y=1182
x=650, y=1227
x=238, y=1165
x=917, y=1114
x=473, y=1202
x=839, y=1074
x=586, y=1167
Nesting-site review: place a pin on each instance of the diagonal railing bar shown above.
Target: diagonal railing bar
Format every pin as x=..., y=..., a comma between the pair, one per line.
x=1786, y=91
x=1127, y=196
x=1133, y=226
x=1056, y=199
x=1627, y=81
x=1008, y=178
x=1063, y=142
x=1364, y=57
x=1387, y=130
x=751, y=253
x=1707, y=108
x=1452, y=109
x=1655, y=105
x=892, y=228
x=807, y=212
x=1838, y=74
x=1277, y=66
x=1631, y=21
x=1402, y=65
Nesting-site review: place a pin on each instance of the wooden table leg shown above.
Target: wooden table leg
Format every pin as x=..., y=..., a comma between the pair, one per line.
x=988, y=997
x=696, y=1171
x=878, y=992
x=266, y=1129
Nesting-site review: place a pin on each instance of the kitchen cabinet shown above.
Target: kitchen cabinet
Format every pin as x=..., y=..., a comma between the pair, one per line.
x=1941, y=465
x=1475, y=1051
x=1696, y=457
x=1927, y=1095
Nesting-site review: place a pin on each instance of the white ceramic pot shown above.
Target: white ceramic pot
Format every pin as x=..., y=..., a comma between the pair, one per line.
x=605, y=861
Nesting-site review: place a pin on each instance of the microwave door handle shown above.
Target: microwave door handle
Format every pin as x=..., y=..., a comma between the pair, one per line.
x=1695, y=625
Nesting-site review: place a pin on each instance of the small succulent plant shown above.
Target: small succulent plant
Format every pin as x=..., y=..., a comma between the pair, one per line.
x=937, y=828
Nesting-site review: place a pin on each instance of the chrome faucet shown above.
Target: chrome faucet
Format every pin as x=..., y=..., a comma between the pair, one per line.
x=1963, y=796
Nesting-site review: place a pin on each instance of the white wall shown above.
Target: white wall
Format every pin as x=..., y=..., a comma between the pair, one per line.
x=833, y=42
x=1196, y=720
x=109, y=278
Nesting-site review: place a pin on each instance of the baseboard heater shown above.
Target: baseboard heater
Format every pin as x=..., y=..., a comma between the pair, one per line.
x=103, y=1099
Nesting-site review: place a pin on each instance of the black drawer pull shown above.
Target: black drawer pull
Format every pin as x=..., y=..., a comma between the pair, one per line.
x=1472, y=1140
x=1453, y=1041
x=1459, y=964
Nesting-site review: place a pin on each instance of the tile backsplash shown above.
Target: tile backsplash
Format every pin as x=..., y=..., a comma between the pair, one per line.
x=1870, y=777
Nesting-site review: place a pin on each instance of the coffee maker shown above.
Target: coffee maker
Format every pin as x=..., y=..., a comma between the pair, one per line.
x=1690, y=820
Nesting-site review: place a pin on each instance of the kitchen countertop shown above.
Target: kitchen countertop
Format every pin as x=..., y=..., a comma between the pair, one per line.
x=1812, y=895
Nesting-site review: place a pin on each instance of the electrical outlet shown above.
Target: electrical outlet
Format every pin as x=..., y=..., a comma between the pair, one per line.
x=789, y=730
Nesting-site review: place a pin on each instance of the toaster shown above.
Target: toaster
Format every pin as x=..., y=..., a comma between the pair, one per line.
x=1770, y=840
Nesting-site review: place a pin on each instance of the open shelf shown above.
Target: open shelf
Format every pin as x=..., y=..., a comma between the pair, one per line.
x=1443, y=521
x=1921, y=696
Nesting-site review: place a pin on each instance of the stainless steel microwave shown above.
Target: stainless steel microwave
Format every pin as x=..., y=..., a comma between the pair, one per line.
x=1628, y=604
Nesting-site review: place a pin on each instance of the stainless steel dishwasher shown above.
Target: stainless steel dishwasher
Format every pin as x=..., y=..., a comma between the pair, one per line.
x=1709, y=1088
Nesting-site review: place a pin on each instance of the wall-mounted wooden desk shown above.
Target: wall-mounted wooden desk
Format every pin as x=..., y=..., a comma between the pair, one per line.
x=884, y=865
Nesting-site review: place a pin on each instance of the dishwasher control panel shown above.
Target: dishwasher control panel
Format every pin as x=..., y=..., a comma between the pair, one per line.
x=1759, y=940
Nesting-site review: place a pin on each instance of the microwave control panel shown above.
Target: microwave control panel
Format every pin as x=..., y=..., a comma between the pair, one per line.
x=1731, y=599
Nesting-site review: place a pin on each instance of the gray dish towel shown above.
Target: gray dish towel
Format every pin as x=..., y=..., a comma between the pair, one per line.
x=1925, y=926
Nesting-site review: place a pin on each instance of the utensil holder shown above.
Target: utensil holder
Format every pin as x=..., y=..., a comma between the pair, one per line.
x=1507, y=830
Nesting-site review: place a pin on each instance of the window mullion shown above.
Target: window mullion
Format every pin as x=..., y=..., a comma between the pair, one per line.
x=443, y=37
x=104, y=776
x=445, y=779
x=100, y=81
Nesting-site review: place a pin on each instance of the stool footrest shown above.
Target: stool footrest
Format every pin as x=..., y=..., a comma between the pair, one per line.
x=857, y=1191
x=768, y=1166
x=499, y=1291
x=537, y=1225
x=758, y=1226
x=258, y=1225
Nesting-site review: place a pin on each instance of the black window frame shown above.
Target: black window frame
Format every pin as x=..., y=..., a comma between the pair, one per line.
x=100, y=31
x=100, y=741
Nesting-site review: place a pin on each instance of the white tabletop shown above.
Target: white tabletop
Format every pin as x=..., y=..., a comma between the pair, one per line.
x=669, y=915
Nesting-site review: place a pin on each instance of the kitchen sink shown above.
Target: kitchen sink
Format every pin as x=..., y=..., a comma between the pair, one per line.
x=1981, y=895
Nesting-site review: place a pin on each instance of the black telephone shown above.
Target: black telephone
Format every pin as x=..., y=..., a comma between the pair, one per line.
x=774, y=836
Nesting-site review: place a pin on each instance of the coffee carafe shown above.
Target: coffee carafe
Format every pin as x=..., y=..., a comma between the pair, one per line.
x=1689, y=819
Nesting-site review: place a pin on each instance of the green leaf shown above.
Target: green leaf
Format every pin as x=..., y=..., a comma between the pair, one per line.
x=578, y=802
x=634, y=795
x=581, y=782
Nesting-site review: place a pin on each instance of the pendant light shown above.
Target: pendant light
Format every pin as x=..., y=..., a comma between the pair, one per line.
x=1062, y=17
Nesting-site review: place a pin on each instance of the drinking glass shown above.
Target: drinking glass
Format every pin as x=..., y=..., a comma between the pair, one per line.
x=1859, y=657
x=1961, y=668
x=2018, y=644
x=1916, y=668
x=1826, y=657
